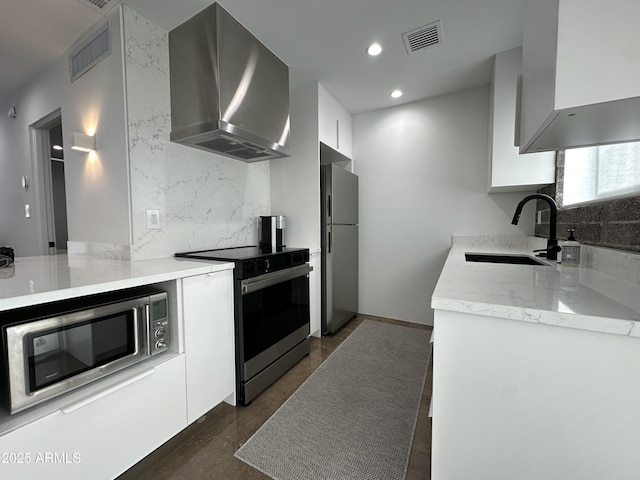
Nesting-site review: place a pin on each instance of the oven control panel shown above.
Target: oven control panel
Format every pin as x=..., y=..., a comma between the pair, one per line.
x=252, y=267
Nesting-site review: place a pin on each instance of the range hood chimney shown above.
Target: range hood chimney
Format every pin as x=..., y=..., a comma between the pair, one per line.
x=229, y=93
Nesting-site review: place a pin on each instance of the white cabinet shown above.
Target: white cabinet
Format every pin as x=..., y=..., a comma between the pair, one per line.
x=105, y=433
x=580, y=73
x=315, y=302
x=209, y=341
x=509, y=170
x=520, y=399
x=334, y=123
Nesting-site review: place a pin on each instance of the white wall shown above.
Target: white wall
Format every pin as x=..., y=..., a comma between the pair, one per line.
x=295, y=181
x=423, y=169
x=205, y=200
x=97, y=188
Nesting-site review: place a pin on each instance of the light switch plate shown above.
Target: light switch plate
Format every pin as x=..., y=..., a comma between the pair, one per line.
x=27, y=211
x=153, y=219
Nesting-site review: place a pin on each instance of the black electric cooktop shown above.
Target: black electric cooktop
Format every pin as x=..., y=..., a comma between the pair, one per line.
x=251, y=261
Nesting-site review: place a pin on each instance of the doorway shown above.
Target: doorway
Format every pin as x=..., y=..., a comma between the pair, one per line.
x=50, y=183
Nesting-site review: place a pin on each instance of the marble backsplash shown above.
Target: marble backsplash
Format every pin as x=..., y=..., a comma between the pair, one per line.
x=110, y=251
x=205, y=200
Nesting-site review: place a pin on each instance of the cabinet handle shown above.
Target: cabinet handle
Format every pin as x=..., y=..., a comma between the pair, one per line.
x=107, y=391
x=516, y=131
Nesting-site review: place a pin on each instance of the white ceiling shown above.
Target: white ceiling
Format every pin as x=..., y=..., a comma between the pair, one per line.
x=320, y=40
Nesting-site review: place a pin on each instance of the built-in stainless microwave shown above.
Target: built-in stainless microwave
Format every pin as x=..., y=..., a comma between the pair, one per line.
x=51, y=355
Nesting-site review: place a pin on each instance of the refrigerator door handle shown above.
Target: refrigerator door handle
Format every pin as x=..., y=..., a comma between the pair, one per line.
x=328, y=206
x=329, y=242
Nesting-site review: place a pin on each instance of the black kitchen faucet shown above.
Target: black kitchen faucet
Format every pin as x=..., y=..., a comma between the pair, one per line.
x=551, y=252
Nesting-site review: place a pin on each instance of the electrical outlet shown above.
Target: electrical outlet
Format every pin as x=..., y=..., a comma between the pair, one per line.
x=153, y=219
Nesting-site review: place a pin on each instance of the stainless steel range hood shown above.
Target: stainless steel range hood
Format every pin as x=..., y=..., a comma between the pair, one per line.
x=229, y=93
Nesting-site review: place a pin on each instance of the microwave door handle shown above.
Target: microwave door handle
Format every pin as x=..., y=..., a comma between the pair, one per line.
x=136, y=331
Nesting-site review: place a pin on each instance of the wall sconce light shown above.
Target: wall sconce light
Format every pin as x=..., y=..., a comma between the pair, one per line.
x=84, y=142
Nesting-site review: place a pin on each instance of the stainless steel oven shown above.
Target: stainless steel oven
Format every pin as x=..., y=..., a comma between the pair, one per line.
x=50, y=350
x=273, y=316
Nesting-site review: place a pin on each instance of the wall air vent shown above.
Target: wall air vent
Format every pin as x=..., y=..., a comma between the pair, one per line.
x=89, y=53
x=423, y=37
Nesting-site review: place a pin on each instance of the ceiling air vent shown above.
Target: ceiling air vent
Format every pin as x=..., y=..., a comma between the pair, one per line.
x=422, y=37
x=89, y=53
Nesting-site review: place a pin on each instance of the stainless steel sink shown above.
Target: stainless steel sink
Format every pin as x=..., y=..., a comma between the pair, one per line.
x=514, y=259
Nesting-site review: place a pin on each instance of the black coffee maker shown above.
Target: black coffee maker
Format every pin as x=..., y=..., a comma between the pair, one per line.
x=271, y=232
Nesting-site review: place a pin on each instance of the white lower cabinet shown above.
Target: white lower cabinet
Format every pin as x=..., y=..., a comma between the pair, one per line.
x=523, y=400
x=102, y=435
x=209, y=341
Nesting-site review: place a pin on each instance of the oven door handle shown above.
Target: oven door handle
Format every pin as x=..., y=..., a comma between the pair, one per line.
x=263, y=281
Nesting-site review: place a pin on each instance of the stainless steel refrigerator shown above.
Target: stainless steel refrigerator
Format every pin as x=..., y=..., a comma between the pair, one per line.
x=339, y=200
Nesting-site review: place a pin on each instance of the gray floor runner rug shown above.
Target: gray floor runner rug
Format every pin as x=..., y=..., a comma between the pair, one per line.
x=354, y=417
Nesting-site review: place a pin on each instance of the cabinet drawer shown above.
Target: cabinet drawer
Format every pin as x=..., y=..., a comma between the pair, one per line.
x=103, y=434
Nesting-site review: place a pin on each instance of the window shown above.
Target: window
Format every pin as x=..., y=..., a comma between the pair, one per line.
x=604, y=172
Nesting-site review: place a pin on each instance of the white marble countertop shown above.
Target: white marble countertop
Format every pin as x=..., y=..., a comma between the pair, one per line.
x=601, y=295
x=42, y=279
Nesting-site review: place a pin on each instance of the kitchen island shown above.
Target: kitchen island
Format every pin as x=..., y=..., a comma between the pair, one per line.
x=536, y=368
x=103, y=428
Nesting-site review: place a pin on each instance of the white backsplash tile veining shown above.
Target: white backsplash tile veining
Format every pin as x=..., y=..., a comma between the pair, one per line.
x=205, y=200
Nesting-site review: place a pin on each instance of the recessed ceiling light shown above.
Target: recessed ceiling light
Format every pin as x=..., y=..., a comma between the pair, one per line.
x=396, y=93
x=374, y=49
x=57, y=147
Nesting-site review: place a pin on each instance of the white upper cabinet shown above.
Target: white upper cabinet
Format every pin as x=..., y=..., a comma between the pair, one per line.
x=580, y=73
x=509, y=170
x=334, y=123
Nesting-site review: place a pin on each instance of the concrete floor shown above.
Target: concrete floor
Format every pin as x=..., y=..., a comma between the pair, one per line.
x=205, y=449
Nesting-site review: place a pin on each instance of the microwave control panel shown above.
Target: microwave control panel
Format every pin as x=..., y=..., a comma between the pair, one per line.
x=159, y=323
